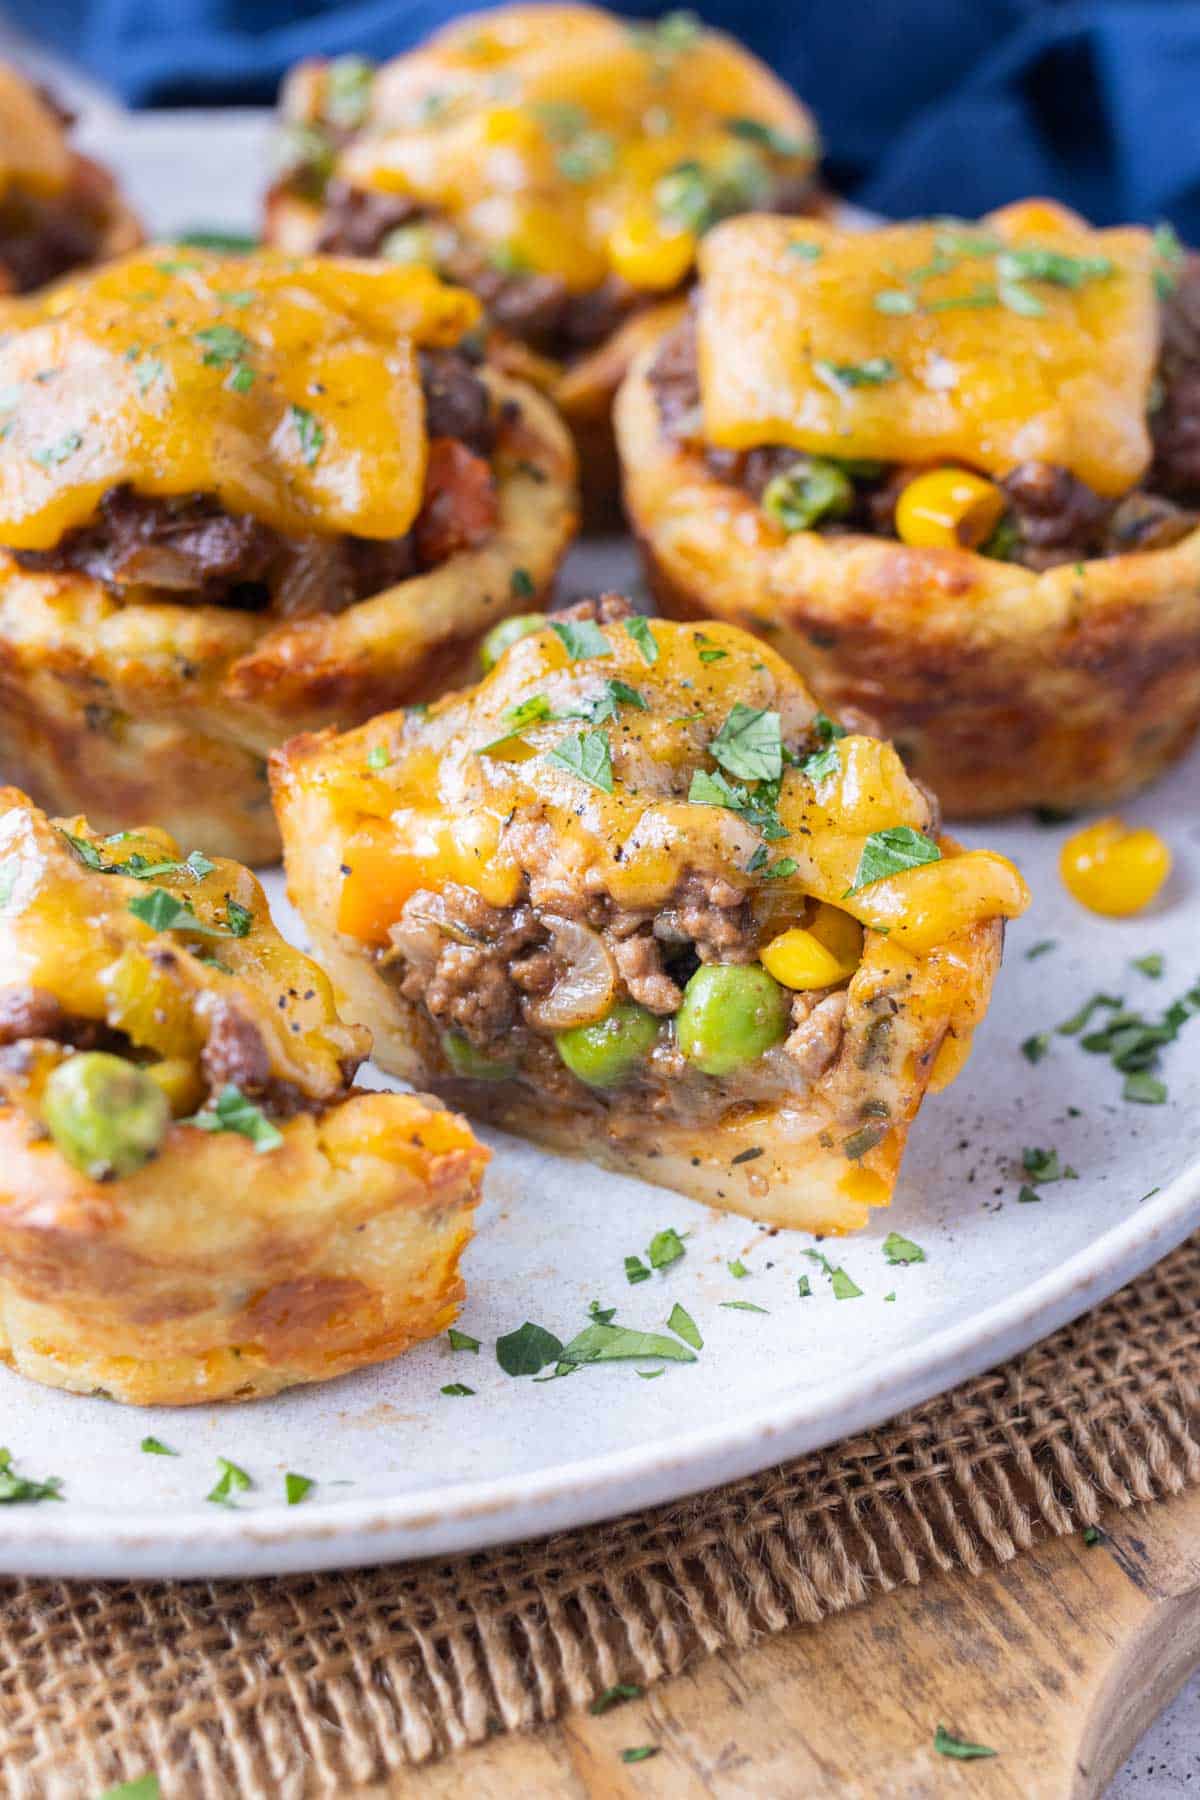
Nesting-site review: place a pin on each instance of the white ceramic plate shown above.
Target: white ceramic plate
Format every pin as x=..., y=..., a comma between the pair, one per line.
x=402, y=1470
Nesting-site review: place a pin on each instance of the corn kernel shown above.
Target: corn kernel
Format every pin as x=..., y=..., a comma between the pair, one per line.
x=1112, y=870
x=948, y=509
x=801, y=961
x=841, y=935
x=647, y=254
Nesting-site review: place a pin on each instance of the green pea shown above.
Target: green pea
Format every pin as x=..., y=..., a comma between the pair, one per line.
x=811, y=490
x=472, y=1064
x=106, y=1115
x=606, y=1052
x=730, y=1015
x=503, y=636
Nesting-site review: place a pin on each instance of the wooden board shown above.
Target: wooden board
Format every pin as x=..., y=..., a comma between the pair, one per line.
x=1059, y=1661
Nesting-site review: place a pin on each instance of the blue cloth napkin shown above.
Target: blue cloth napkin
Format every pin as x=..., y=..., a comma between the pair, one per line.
x=925, y=105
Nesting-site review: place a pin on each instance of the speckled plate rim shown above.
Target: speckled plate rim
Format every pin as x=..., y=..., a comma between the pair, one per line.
x=474, y=1515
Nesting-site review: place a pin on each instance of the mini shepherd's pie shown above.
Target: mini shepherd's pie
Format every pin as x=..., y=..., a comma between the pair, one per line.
x=195, y=1201
x=58, y=210
x=636, y=898
x=560, y=161
x=244, y=497
x=953, y=473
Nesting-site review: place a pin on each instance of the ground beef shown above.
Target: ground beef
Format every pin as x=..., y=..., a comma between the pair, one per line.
x=1175, y=422
x=190, y=546
x=675, y=379
x=1057, y=517
x=356, y=221
x=640, y=966
x=818, y=1024
x=713, y=917
x=235, y=1051
x=32, y=1012
x=456, y=959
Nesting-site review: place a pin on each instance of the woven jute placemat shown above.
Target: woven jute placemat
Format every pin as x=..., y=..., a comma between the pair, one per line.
x=308, y=1686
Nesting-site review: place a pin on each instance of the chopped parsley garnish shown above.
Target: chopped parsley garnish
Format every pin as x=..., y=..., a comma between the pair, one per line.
x=241, y=379
x=10, y=868
x=617, y=1343
x=16, y=1489
x=1034, y=1048
x=843, y=1287
x=603, y=1315
x=1045, y=1165
x=804, y=1287
x=946, y=1744
x=684, y=1326
x=164, y=911
x=666, y=1247
x=777, y=871
x=769, y=137
x=896, y=302
x=56, y=453
x=587, y=755
x=462, y=1340
x=758, y=809
x=1151, y=965
x=1035, y=262
x=738, y=1269
x=876, y=371
x=1026, y=1195
x=231, y=1481
x=743, y=1306
x=236, y=243
x=639, y=1753
x=1091, y=1536
x=1075, y=1024
x=708, y=651
x=534, y=711
x=1042, y=948
x=347, y=91
x=613, y=1696
x=605, y=704
x=891, y=852
x=1168, y=253
x=1132, y=1042
x=153, y=1446
x=138, y=866
x=586, y=157
x=379, y=757
x=636, y=1270
x=231, y=1111
x=1144, y=1089
x=527, y=1350
x=749, y=744
x=239, y=919
x=804, y=250
x=222, y=345
x=581, y=638
x=144, y=1788
x=639, y=630
x=457, y=1390
x=310, y=434
x=147, y=370
x=897, y=1249
x=296, y=1487
x=520, y=585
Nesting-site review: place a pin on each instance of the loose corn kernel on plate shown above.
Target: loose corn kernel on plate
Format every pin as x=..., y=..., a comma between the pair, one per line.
x=1031, y=1189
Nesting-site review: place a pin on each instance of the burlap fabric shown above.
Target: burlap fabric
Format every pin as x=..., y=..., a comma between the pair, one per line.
x=309, y=1686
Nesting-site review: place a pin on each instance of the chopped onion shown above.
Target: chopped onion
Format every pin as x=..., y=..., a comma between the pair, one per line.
x=584, y=991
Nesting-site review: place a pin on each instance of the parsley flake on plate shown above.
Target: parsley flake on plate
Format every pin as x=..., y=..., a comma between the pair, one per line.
x=296, y=1487
x=684, y=1326
x=636, y=1270
x=891, y=852
x=153, y=1446
x=666, y=1247
x=844, y=1288
x=527, y=1350
x=457, y=1389
x=1034, y=1048
x=231, y=1481
x=619, y=1343
x=742, y=1306
x=897, y=1249
x=462, y=1340
x=15, y=1488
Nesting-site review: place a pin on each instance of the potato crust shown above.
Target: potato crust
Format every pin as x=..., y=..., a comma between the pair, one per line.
x=167, y=711
x=1002, y=687
x=223, y=1265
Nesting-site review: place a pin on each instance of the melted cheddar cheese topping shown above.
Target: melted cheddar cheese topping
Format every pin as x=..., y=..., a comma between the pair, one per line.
x=66, y=929
x=453, y=795
x=1027, y=337
x=34, y=155
x=572, y=143
x=289, y=389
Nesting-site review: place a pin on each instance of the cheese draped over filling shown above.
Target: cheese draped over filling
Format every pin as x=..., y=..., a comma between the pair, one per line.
x=66, y=929
x=1027, y=337
x=547, y=134
x=288, y=389
x=34, y=155
x=427, y=799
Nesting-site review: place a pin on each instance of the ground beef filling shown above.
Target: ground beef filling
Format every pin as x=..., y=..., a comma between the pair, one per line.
x=1052, y=517
x=235, y=1050
x=190, y=548
x=43, y=237
x=540, y=310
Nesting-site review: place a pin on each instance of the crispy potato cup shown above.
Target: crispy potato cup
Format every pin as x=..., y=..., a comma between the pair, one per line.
x=195, y=1202
x=259, y=497
x=1057, y=663
x=58, y=210
x=559, y=160
x=636, y=899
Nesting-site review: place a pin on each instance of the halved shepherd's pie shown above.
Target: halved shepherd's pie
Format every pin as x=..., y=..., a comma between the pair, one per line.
x=560, y=161
x=636, y=898
x=953, y=472
x=195, y=1201
x=58, y=210
x=244, y=497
